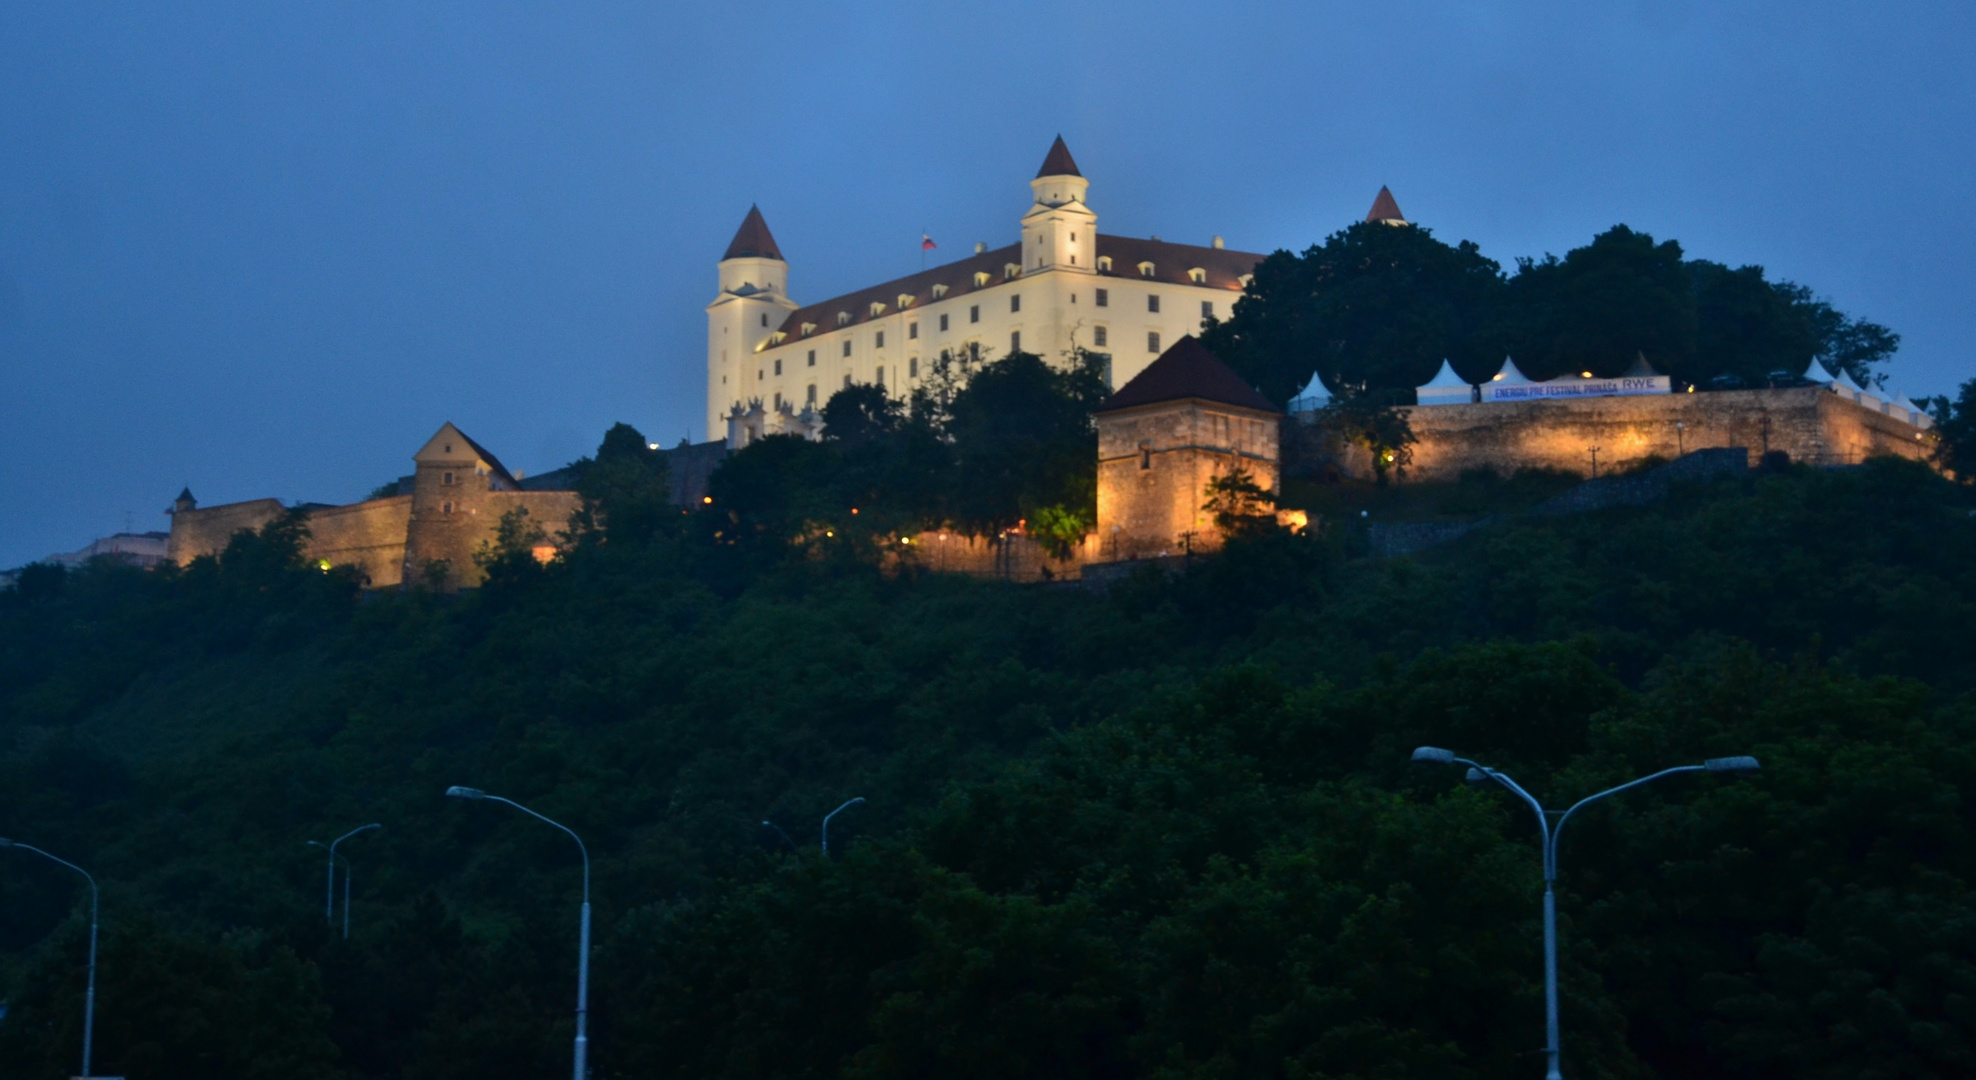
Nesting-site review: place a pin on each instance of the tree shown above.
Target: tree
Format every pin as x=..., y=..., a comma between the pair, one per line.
x=626, y=489
x=1846, y=344
x=1746, y=327
x=1241, y=507
x=1955, y=430
x=861, y=415
x=1375, y=307
x=1373, y=425
x=1022, y=440
x=1600, y=307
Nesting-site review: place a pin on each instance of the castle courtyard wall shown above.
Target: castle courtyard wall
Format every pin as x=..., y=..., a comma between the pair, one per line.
x=207, y=530
x=369, y=535
x=1811, y=424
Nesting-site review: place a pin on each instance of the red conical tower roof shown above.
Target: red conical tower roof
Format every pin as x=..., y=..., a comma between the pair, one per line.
x=1385, y=208
x=752, y=239
x=1059, y=162
x=1187, y=370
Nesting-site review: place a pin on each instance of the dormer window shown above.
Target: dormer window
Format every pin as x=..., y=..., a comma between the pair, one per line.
x=779, y=337
x=1145, y=269
x=905, y=300
x=1011, y=270
x=809, y=328
x=1246, y=280
x=939, y=291
x=1198, y=276
x=980, y=278
x=877, y=308
x=1104, y=263
x=843, y=318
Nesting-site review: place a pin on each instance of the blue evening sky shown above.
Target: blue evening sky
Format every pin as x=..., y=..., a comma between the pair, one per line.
x=266, y=249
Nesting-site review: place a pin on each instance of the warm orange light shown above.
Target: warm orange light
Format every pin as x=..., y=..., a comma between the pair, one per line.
x=544, y=553
x=708, y=499
x=1584, y=374
x=854, y=509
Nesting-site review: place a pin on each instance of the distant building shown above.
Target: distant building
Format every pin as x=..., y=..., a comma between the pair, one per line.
x=772, y=362
x=427, y=530
x=145, y=549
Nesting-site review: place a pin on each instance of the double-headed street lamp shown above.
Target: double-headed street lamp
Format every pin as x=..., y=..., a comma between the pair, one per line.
x=89, y=998
x=329, y=897
x=583, y=941
x=1481, y=774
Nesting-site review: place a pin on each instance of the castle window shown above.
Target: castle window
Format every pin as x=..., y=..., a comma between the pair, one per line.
x=1073, y=238
x=764, y=318
x=879, y=339
x=1015, y=304
x=912, y=331
x=1207, y=309
x=1145, y=455
x=939, y=291
x=943, y=324
x=1104, y=297
x=974, y=313
x=912, y=368
x=1073, y=260
x=446, y=478
x=847, y=380
x=1152, y=341
x=1015, y=341
x=1104, y=263
x=778, y=399
x=812, y=362
x=847, y=346
x=881, y=375
x=980, y=278
x=1246, y=280
x=446, y=508
x=1198, y=276
x=778, y=367
x=843, y=318
x=1145, y=269
x=1098, y=336
x=1153, y=304
x=810, y=395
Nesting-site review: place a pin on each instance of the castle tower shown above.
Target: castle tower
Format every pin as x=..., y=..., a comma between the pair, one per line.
x=753, y=302
x=1385, y=209
x=1059, y=232
x=1182, y=422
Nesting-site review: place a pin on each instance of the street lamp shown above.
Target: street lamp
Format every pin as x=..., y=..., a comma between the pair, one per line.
x=583, y=940
x=1482, y=773
x=89, y=998
x=832, y=814
x=329, y=898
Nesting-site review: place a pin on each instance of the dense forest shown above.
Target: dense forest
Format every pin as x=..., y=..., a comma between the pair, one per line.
x=1166, y=830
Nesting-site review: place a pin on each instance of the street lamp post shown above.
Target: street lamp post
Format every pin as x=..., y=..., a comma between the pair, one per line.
x=1549, y=832
x=329, y=895
x=89, y=997
x=583, y=938
x=832, y=814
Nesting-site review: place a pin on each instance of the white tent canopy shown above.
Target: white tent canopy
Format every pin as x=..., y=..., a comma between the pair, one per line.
x=1445, y=388
x=1312, y=397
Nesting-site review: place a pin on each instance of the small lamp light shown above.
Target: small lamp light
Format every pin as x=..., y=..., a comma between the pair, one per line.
x=1434, y=754
x=458, y=792
x=1739, y=763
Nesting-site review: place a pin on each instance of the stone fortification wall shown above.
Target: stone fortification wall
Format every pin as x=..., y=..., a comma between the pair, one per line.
x=206, y=530
x=1015, y=557
x=1811, y=424
x=449, y=532
x=1154, y=465
x=369, y=535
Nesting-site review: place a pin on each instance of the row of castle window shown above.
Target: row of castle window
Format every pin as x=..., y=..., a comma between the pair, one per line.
x=1102, y=298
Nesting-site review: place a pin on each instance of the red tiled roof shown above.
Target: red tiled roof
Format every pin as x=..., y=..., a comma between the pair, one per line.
x=1223, y=269
x=752, y=239
x=1385, y=207
x=1059, y=162
x=1187, y=370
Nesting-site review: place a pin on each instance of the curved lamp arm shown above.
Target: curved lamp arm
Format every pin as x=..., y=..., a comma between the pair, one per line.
x=459, y=792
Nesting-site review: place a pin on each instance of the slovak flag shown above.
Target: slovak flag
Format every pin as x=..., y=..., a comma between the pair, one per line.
x=926, y=242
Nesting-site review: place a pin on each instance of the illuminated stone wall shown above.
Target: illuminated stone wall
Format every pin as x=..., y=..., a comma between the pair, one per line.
x=1154, y=465
x=206, y=531
x=1810, y=424
x=369, y=535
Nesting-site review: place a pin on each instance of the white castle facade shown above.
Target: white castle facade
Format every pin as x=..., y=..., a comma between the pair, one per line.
x=772, y=363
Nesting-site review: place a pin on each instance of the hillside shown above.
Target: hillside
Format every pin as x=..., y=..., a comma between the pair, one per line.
x=1166, y=830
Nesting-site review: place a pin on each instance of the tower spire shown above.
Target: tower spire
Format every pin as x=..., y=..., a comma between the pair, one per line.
x=752, y=240
x=1385, y=208
x=1059, y=162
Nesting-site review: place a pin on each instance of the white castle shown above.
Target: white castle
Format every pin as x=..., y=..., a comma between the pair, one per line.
x=772, y=363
